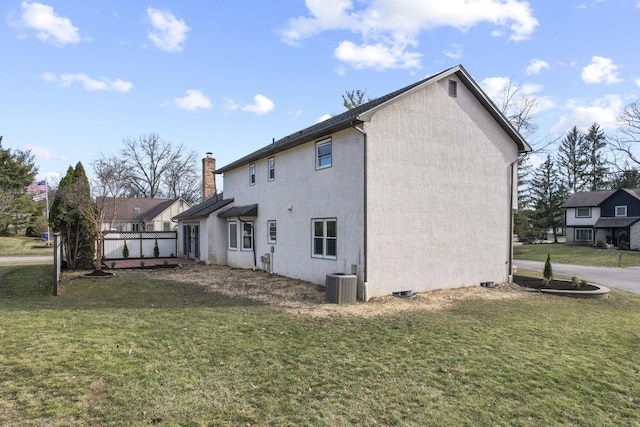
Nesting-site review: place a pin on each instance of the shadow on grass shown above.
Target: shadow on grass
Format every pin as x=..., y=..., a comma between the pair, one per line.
x=30, y=287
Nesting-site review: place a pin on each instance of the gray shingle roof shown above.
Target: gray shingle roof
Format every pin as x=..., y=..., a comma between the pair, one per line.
x=137, y=209
x=203, y=209
x=356, y=115
x=587, y=198
x=616, y=222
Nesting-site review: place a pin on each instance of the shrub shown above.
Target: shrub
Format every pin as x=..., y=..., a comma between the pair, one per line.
x=156, y=250
x=600, y=244
x=165, y=263
x=622, y=245
x=125, y=251
x=113, y=264
x=548, y=271
x=576, y=282
x=141, y=264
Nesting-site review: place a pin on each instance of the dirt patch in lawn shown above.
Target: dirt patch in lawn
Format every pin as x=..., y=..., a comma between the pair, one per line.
x=305, y=298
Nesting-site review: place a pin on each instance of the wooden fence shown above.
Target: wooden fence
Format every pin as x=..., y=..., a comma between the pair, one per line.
x=139, y=244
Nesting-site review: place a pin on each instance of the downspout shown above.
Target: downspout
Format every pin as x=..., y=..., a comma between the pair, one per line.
x=365, y=293
x=511, y=218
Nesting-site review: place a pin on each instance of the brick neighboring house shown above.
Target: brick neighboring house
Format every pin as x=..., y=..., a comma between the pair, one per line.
x=141, y=214
x=611, y=216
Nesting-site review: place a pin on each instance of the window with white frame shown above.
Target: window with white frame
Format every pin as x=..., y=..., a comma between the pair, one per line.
x=252, y=173
x=271, y=169
x=247, y=235
x=271, y=231
x=583, y=212
x=584, y=234
x=232, y=235
x=135, y=227
x=323, y=154
x=621, y=210
x=166, y=226
x=324, y=238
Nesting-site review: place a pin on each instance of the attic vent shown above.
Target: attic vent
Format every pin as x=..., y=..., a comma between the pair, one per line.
x=137, y=210
x=453, y=88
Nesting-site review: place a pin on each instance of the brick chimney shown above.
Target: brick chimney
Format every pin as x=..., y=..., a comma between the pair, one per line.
x=208, y=178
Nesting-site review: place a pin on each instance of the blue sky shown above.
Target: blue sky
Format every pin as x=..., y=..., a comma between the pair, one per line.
x=77, y=77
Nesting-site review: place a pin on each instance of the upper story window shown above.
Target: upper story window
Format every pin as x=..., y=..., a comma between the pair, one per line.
x=621, y=210
x=271, y=169
x=453, y=88
x=323, y=154
x=135, y=226
x=583, y=212
x=252, y=173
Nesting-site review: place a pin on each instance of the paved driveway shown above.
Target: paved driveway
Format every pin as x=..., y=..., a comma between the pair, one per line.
x=26, y=258
x=626, y=279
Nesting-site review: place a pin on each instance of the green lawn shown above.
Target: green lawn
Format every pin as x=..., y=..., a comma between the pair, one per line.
x=131, y=351
x=20, y=245
x=580, y=255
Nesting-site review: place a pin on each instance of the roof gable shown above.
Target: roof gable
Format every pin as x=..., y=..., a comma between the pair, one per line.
x=597, y=198
x=205, y=208
x=366, y=111
x=137, y=209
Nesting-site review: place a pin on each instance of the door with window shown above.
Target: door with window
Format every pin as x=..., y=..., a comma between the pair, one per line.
x=191, y=241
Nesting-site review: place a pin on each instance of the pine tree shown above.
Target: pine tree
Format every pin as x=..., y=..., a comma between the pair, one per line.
x=548, y=271
x=596, y=170
x=572, y=160
x=548, y=195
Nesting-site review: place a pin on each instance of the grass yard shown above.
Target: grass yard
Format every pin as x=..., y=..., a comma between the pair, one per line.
x=579, y=255
x=21, y=245
x=135, y=351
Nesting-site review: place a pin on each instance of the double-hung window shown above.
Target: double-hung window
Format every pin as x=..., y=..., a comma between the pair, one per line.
x=232, y=235
x=247, y=236
x=271, y=230
x=583, y=212
x=324, y=238
x=621, y=210
x=584, y=235
x=271, y=169
x=252, y=173
x=323, y=154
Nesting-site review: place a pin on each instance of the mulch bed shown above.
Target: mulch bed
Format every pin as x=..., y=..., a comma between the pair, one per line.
x=561, y=285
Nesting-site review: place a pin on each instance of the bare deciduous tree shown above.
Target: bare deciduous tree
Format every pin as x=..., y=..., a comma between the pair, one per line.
x=157, y=168
x=628, y=138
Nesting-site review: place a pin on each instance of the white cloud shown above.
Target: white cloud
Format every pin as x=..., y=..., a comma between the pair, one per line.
x=376, y=56
x=497, y=88
x=601, y=70
x=195, y=99
x=168, y=32
x=536, y=66
x=389, y=28
x=40, y=153
x=638, y=82
x=262, y=105
x=323, y=118
x=67, y=79
x=604, y=111
x=48, y=26
x=454, y=51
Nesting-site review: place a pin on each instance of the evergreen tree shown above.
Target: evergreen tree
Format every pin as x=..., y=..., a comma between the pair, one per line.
x=572, y=159
x=596, y=170
x=67, y=215
x=548, y=195
x=17, y=171
x=628, y=178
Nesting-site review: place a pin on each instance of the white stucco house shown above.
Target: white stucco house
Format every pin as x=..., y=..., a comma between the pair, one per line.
x=412, y=191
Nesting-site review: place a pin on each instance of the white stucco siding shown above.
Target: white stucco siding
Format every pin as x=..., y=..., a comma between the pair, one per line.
x=298, y=194
x=439, y=193
x=572, y=221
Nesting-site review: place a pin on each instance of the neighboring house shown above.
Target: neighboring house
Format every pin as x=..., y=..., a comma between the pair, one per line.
x=141, y=214
x=414, y=190
x=612, y=217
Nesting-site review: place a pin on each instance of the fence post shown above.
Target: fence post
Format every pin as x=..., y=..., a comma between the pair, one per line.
x=57, y=262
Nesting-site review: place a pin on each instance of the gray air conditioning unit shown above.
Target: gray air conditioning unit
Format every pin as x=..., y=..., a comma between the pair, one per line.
x=341, y=288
